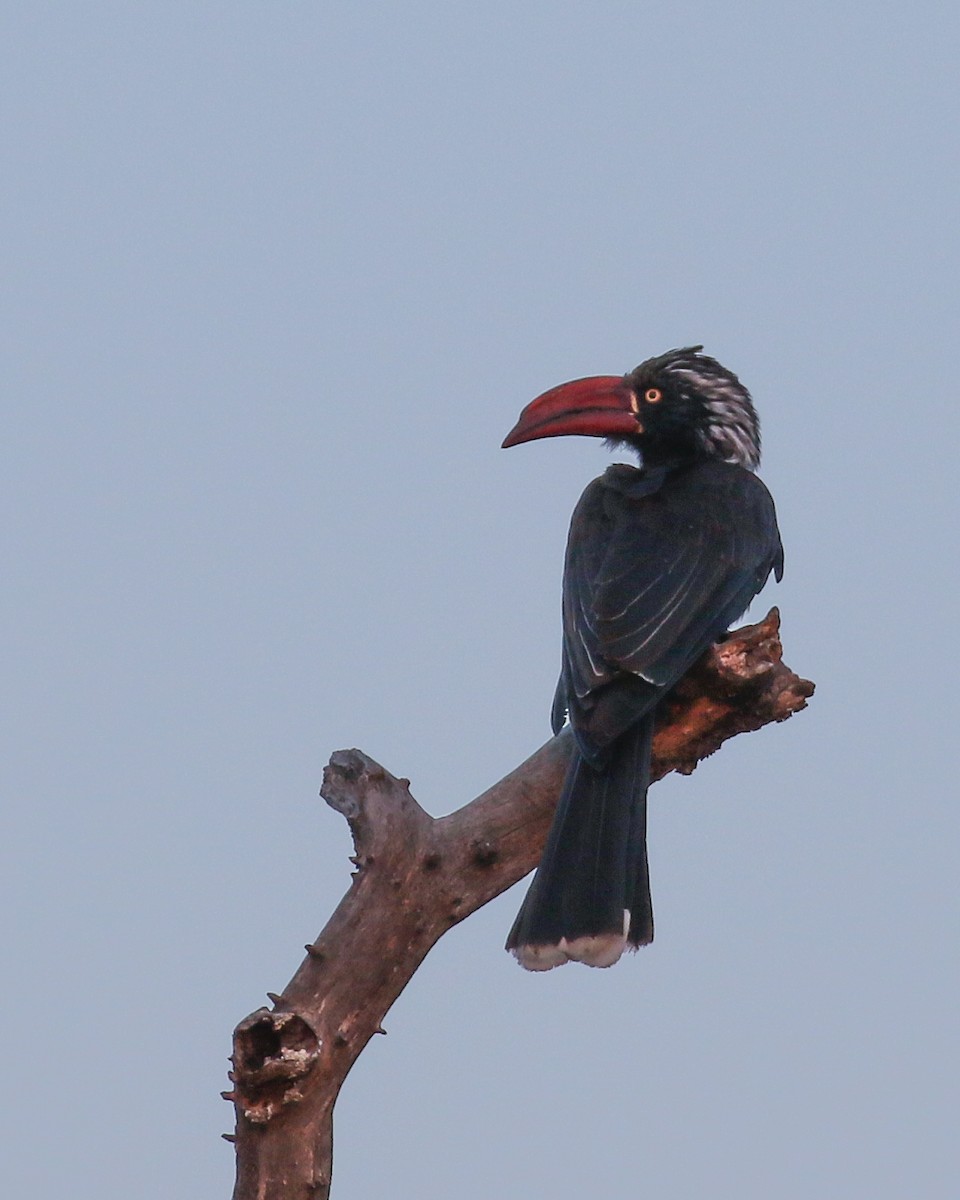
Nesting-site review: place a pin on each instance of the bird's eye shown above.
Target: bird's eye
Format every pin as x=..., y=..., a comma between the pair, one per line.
x=653, y=395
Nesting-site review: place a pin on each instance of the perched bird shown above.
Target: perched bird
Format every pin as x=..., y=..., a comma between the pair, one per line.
x=660, y=560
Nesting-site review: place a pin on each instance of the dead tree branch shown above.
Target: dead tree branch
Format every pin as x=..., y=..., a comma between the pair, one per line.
x=416, y=877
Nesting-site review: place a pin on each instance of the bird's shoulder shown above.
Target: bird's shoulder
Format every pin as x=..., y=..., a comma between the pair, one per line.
x=704, y=476
x=710, y=487
x=604, y=497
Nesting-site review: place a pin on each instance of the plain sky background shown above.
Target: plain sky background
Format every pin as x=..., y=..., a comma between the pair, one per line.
x=277, y=280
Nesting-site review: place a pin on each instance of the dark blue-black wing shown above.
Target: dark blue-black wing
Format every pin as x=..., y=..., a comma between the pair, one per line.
x=656, y=570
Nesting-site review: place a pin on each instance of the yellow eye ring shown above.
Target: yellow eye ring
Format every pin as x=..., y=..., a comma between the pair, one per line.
x=653, y=395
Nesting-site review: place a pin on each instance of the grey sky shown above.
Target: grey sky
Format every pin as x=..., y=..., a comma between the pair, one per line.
x=277, y=280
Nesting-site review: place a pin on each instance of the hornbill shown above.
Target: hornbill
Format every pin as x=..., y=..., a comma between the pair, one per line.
x=660, y=560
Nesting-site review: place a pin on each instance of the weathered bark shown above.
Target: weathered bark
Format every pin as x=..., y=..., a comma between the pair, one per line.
x=415, y=878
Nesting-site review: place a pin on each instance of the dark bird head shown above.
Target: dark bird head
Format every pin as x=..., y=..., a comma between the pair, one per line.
x=681, y=405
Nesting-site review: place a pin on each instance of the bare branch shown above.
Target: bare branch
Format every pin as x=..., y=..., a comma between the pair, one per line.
x=415, y=878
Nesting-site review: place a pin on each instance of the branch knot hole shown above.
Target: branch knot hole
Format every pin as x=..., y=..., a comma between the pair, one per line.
x=272, y=1050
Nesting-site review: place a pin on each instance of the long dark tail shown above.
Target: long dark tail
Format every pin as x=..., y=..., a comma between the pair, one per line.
x=590, y=897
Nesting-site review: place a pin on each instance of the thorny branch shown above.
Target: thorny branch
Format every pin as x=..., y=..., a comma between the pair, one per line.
x=416, y=877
